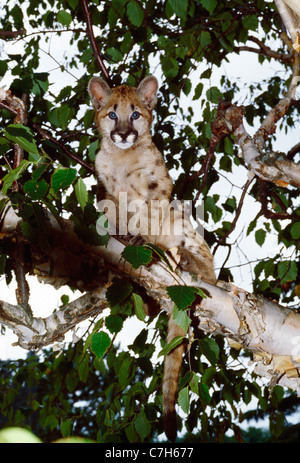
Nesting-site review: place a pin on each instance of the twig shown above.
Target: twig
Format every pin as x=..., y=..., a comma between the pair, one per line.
x=69, y=153
x=238, y=213
x=12, y=34
x=23, y=290
x=89, y=27
x=18, y=251
x=265, y=50
x=262, y=189
x=268, y=127
x=294, y=150
x=22, y=119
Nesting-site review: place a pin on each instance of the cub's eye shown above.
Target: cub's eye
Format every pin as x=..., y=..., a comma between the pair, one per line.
x=112, y=115
x=135, y=115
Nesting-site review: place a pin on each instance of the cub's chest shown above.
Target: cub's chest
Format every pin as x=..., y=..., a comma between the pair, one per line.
x=123, y=175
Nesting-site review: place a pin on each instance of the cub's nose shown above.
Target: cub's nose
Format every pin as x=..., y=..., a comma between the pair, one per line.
x=124, y=135
x=129, y=136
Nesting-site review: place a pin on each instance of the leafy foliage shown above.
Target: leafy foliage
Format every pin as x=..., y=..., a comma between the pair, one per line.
x=94, y=389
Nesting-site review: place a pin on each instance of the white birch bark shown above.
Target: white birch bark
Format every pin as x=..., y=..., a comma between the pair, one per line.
x=274, y=167
x=271, y=332
x=289, y=11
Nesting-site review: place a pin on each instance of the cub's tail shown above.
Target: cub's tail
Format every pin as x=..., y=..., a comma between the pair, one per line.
x=172, y=368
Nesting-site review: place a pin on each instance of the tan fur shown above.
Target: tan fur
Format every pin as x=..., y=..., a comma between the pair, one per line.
x=129, y=161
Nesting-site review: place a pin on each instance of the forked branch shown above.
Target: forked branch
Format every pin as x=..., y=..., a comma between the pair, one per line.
x=268, y=330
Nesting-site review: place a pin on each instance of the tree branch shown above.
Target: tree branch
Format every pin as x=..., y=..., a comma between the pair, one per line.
x=272, y=167
x=271, y=332
x=265, y=50
x=97, y=55
x=15, y=106
x=12, y=34
x=291, y=19
x=268, y=127
x=69, y=153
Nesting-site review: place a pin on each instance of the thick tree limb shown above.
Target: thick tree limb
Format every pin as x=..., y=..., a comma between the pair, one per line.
x=289, y=11
x=265, y=328
x=272, y=167
x=268, y=126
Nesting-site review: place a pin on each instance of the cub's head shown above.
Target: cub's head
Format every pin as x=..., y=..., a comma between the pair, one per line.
x=123, y=114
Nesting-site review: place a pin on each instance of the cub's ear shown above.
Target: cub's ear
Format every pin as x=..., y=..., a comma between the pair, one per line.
x=147, y=90
x=99, y=92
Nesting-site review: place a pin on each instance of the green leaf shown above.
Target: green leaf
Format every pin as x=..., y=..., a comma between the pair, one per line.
x=277, y=424
x=210, y=349
x=83, y=369
x=160, y=254
x=204, y=393
x=183, y=296
x=205, y=39
x=142, y=425
x=287, y=271
x=73, y=3
x=295, y=230
x=250, y=22
x=115, y=54
x=13, y=175
x=64, y=114
x=66, y=428
x=179, y=7
x=3, y=67
x=200, y=292
x=209, y=5
x=20, y=134
x=181, y=318
x=131, y=433
x=214, y=95
x=171, y=345
x=183, y=399
x=138, y=306
x=137, y=255
x=114, y=323
x=93, y=149
x=36, y=189
x=198, y=91
x=117, y=292
x=260, y=236
x=81, y=193
x=135, y=13
x=124, y=372
x=100, y=343
x=208, y=376
x=62, y=178
x=64, y=18
x=194, y=382
x=52, y=421
x=169, y=66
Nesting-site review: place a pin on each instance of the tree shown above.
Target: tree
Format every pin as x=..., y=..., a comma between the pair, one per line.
x=48, y=209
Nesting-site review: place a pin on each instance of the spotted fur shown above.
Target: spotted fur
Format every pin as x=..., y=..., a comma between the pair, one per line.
x=129, y=161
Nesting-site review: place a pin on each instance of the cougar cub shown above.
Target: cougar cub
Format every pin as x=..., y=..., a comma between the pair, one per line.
x=128, y=162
